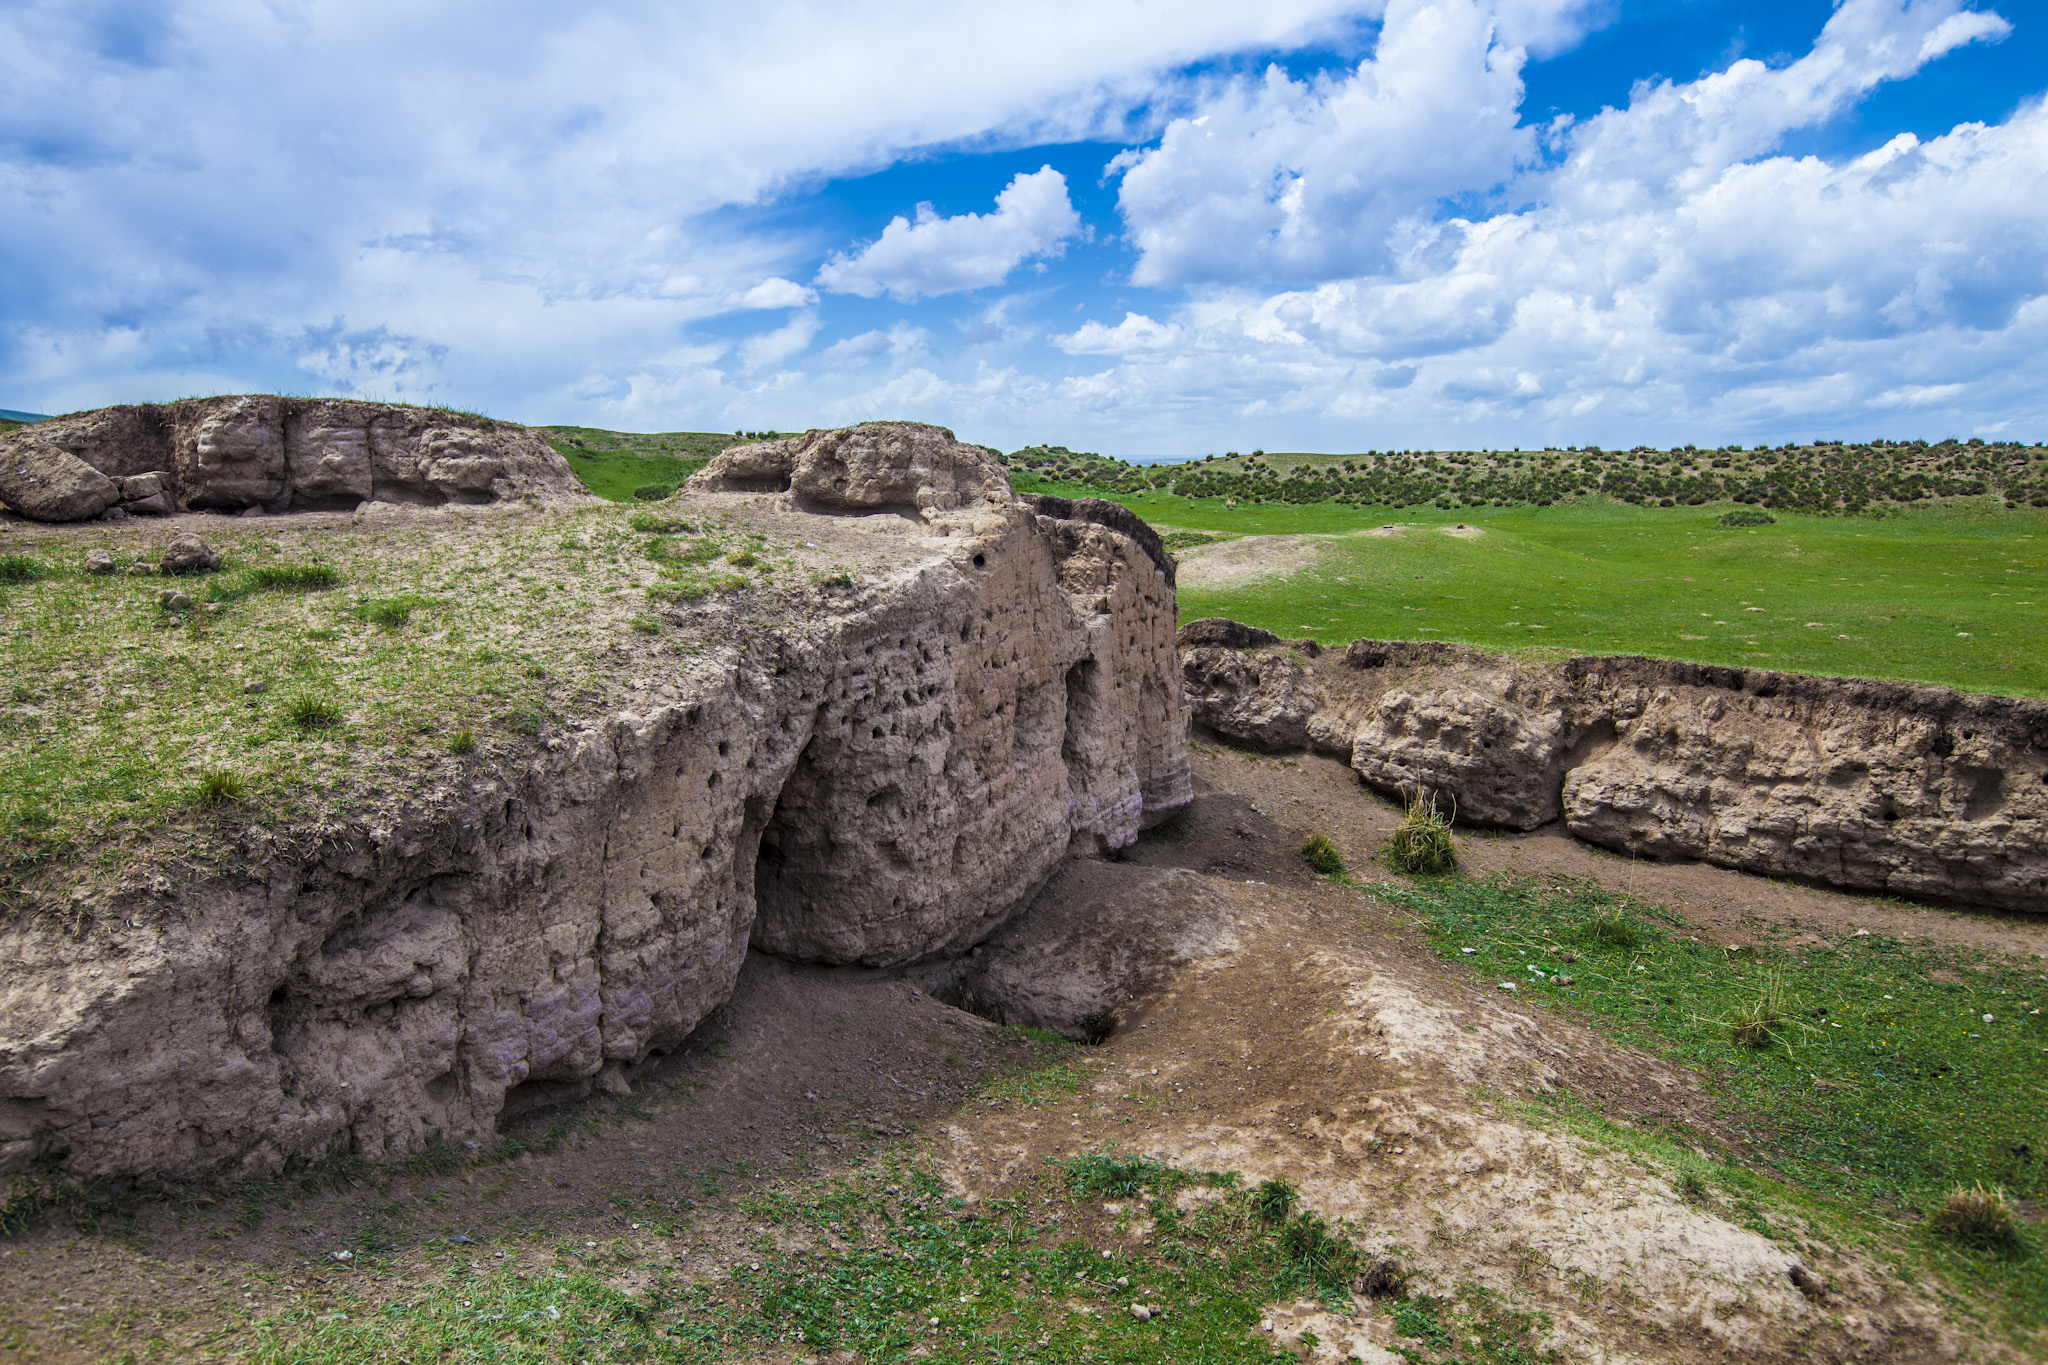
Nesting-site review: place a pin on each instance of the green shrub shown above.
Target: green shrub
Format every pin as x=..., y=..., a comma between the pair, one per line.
x=654, y=492
x=1748, y=516
x=1615, y=931
x=21, y=569
x=1325, y=1256
x=526, y=720
x=309, y=712
x=1273, y=1199
x=647, y=624
x=1322, y=855
x=389, y=613
x=1978, y=1217
x=1422, y=843
x=218, y=787
x=294, y=577
x=1104, y=1175
x=648, y=523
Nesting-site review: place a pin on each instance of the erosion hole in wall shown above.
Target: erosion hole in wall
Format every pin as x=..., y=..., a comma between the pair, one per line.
x=1082, y=705
x=1985, y=792
x=1595, y=740
x=529, y=1097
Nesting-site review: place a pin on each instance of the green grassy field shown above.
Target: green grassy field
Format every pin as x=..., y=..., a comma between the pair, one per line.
x=614, y=464
x=1946, y=583
x=1954, y=593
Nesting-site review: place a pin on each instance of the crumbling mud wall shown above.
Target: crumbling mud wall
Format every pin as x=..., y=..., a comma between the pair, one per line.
x=1865, y=786
x=888, y=777
x=277, y=454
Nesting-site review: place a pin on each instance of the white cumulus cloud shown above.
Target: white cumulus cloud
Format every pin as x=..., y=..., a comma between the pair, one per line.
x=935, y=255
x=1135, y=333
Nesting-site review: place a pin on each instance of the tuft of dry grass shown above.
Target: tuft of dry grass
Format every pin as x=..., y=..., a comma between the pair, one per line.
x=1979, y=1217
x=1761, y=1022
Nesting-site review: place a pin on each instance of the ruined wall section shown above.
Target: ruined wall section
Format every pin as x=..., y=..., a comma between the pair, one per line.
x=271, y=453
x=884, y=777
x=1866, y=786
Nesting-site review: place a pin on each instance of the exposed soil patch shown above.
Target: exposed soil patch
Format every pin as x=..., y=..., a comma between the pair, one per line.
x=1234, y=563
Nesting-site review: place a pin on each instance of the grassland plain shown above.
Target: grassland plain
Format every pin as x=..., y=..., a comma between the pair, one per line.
x=1904, y=560
x=325, y=663
x=617, y=464
x=1954, y=593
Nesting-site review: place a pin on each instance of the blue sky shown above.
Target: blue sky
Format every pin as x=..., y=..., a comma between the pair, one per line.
x=1140, y=227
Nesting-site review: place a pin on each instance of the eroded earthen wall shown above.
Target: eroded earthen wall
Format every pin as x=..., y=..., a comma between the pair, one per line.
x=1867, y=786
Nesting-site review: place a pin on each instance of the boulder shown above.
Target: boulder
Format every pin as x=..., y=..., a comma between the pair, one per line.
x=146, y=495
x=44, y=482
x=905, y=467
x=99, y=561
x=189, y=554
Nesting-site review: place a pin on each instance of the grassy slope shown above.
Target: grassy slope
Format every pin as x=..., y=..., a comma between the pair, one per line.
x=614, y=463
x=1954, y=594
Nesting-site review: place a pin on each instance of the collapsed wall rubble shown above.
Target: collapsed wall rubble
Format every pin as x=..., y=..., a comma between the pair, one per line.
x=1866, y=786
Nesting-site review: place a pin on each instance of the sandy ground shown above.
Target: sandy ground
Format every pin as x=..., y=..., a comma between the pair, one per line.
x=1234, y=563
x=1320, y=1039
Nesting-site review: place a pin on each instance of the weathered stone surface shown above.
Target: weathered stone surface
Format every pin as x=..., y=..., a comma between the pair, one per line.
x=44, y=482
x=232, y=454
x=329, y=457
x=189, y=554
x=874, y=467
x=99, y=561
x=146, y=495
x=282, y=454
x=1261, y=698
x=1867, y=786
x=921, y=752
x=1495, y=751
